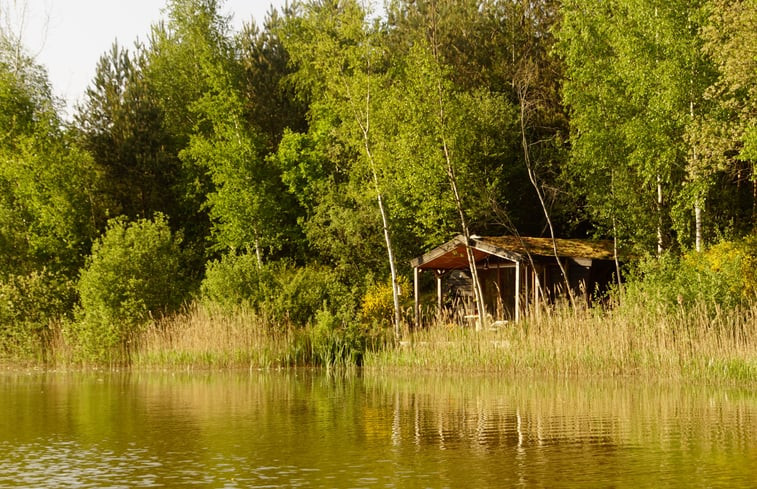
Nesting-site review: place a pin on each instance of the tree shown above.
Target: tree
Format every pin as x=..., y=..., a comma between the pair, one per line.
x=133, y=274
x=121, y=124
x=48, y=206
x=633, y=73
x=442, y=114
x=194, y=34
x=246, y=207
x=483, y=47
x=337, y=61
x=270, y=104
x=724, y=135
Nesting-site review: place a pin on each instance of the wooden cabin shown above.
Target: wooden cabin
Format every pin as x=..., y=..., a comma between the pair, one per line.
x=515, y=273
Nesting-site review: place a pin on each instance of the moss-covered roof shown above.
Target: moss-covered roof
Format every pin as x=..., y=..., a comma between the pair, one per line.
x=451, y=255
x=573, y=248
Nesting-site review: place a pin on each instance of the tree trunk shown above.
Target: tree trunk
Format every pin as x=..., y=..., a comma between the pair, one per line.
x=363, y=122
x=258, y=251
x=451, y=176
x=615, y=256
x=754, y=196
x=660, y=246
x=698, y=226
x=387, y=237
x=477, y=290
x=532, y=177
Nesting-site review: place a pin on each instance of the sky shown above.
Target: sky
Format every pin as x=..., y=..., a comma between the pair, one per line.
x=69, y=36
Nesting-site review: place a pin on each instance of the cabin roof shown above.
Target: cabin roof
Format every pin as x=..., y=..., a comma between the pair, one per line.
x=451, y=255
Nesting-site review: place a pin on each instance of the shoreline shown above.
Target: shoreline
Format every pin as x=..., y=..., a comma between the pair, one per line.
x=682, y=345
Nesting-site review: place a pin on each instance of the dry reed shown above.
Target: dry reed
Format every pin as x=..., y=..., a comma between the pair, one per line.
x=695, y=343
x=204, y=337
x=698, y=342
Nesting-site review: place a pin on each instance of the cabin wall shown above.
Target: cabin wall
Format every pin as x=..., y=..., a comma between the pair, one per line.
x=499, y=292
x=498, y=285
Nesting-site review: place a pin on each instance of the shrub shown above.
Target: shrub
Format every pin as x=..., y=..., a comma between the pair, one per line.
x=377, y=305
x=28, y=306
x=336, y=341
x=237, y=280
x=132, y=274
x=279, y=291
x=730, y=269
x=304, y=291
x=725, y=275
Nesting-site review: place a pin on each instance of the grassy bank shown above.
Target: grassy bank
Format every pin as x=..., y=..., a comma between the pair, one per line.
x=212, y=338
x=693, y=343
x=686, y=344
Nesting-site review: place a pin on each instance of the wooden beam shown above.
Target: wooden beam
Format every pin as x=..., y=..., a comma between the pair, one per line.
x=535, y=282
x=526, y=282
x=517, y=291
x=500, y=314
x=438, y=251
x=481, y=245
x=416, y=296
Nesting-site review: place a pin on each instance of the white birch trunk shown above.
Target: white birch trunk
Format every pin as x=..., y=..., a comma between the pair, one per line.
x=660, y=243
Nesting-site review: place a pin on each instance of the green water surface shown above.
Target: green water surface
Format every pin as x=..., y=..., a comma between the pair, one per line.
x=306, y=429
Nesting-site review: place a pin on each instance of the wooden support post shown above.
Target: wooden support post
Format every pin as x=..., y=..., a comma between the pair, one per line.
x=439, y=301
x=500, y=313
x=416, y=296
x=517, y=291
x=526, y=297
x=535, y=279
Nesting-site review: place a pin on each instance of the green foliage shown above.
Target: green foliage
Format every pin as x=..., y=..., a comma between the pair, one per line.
x=122, y=126
x=338, y=214
x=47, y=214
x=270, y=104
x=377, y=304
x=337, y=341
x=477, y=127
x=303, y=291
x=725, y=275
x=237, y=280
x=247, y=207
x=48, y=186
x=279, y=291
x=28, y=306
x=635, y=72
x=132, y=275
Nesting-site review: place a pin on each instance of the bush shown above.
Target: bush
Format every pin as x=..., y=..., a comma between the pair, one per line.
x=132, y=274
x=728, y=271
x=279, y=291
x=28, y=306
x=336, y=341
x=304, y=291
x=237, y=280
x=725, y=275
x=377, y=305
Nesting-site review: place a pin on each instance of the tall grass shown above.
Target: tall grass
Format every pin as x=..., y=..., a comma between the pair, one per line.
x=207, y=337
x=698, y=342
x=204, y=337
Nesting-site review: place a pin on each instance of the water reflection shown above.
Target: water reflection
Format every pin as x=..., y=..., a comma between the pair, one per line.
x=301, y=428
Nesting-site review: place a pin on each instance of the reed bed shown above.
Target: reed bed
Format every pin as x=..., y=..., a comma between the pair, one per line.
x=205, y=337
x=695, y=343
x=699, y=342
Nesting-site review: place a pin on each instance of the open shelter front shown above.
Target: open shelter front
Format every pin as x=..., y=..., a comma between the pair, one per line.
x=515, y=272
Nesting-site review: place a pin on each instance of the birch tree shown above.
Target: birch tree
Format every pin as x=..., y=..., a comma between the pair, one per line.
x=633, y=78
x=339, y=65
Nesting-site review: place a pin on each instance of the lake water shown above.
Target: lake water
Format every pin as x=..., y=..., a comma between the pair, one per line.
x=305, y=429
